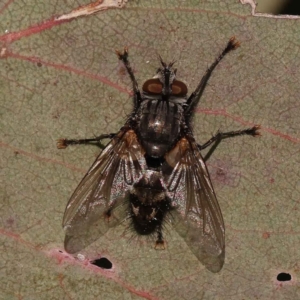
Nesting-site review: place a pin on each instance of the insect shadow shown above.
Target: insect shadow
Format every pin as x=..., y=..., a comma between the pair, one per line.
x=152, y=171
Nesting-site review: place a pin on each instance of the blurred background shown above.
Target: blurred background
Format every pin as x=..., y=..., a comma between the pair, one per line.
x=278, y=7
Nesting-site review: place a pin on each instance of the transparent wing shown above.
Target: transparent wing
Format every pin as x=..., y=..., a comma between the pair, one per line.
x=100, y=198
x=198, y=218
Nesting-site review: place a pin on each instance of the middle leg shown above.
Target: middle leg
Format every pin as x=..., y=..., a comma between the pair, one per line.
x=216, y=139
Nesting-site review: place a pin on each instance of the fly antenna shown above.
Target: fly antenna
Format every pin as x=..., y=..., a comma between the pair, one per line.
x=172, y=63
x=162, y=62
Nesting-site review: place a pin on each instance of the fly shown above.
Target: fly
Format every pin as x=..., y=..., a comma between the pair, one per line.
x=152, y=171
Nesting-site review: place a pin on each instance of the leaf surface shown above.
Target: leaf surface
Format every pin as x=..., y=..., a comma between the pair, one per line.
x=61, y=78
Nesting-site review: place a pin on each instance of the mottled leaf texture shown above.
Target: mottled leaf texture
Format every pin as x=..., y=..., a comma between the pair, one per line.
x=60, y=78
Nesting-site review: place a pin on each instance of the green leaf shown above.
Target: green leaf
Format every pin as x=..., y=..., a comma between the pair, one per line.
x=61, y=78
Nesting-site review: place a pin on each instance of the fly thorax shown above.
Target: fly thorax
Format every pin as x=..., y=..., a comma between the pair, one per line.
x=159, y=126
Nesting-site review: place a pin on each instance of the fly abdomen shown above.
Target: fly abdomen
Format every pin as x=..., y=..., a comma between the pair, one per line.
x=159, y=126
x=147, y=219
x=148, y=203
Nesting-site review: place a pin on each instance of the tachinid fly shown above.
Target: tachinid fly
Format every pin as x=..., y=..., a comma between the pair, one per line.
x=152, y=171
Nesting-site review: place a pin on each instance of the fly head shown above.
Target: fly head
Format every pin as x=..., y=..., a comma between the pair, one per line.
x=164, y=83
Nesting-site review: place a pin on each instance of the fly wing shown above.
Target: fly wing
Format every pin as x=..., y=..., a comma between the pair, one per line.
x=198, y=218
x=100, y=198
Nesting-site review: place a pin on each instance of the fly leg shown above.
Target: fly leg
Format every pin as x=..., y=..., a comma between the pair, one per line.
x=196, y=95
x=216, y=139
x=123, y=56
x=160, y=244
x=64, y=143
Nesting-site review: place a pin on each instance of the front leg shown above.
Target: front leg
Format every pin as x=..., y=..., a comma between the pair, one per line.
x=196, y=95
x=123, y=56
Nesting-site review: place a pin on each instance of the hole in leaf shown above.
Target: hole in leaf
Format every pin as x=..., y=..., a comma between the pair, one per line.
x=284, y=277
x=102, y=262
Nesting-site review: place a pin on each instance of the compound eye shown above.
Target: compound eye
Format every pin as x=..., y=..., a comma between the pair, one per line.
x=179, y=88
x=152, y=86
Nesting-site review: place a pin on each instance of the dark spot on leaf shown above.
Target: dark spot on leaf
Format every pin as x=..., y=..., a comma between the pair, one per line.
x=102, y=262
x=222, y=172
x=39, y=64
x=10, y=221
x=56, y=114
x=284, y=277
x=266, y=235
